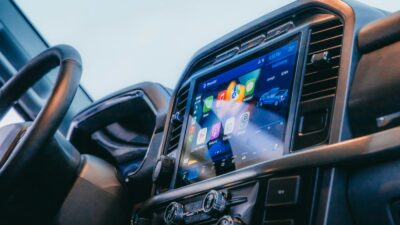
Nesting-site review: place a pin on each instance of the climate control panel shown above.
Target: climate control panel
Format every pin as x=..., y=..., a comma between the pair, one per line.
x=285, y=198
x=226, y=206
x=213, y=205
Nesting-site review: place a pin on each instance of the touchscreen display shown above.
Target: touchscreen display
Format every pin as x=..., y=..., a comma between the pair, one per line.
x=238, y=117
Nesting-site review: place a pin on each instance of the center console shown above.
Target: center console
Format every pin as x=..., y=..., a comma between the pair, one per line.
x=254, y=120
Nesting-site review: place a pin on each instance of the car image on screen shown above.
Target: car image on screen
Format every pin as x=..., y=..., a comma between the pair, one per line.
x=273, y=97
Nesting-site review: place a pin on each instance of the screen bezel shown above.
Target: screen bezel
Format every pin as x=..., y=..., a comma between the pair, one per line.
x=208, y=73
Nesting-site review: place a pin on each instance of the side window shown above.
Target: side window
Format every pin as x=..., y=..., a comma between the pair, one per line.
x=11, y=117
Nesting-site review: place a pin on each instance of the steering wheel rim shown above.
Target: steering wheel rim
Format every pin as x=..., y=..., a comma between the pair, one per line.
x=50, y=116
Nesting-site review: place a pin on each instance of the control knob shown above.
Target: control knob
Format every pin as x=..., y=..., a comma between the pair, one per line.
x=174, y=214
x=229, y=220
x=163, y=171
x=214, y=204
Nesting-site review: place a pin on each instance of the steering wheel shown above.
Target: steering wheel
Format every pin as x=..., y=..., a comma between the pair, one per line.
x=19, y=145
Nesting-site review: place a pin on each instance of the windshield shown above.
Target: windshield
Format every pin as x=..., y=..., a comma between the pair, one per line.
x=126, y=42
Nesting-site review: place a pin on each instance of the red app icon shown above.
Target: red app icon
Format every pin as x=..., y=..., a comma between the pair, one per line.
x=191, y=129
x=221, y=97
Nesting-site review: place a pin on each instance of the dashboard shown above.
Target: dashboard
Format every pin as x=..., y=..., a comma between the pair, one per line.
x=284, y=121
x=264, y=97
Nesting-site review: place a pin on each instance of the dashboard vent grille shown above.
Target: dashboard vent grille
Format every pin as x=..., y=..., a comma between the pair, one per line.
x=321, y=81
x=177, y=119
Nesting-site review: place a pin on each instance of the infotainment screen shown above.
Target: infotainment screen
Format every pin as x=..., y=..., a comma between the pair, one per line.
x=239, y=116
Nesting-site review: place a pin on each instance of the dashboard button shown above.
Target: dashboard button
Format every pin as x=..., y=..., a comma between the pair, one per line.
x=252, y=43
x=226, y=55
x=283, y=191
x=280, y=30
x=313, y=122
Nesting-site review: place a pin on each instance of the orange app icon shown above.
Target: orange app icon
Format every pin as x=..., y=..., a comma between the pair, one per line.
x=191, y=129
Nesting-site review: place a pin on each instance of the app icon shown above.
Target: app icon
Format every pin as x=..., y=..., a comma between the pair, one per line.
x=274, y=97
x=221, y=97
x=235, y=92
x=191, y=129
x=249, y=80
x=190, y=138
x=229, y=125
x=249, y=87
x=208, y=104
x=244, y=120
x=215, y=130
x=238, y=93
x=201, y=136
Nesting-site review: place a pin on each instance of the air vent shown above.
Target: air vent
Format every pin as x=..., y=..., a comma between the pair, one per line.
x=320, y=79
x=177, y=119
x=319, y=85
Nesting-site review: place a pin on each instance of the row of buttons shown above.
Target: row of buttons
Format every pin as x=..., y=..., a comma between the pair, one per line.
x=253, y=42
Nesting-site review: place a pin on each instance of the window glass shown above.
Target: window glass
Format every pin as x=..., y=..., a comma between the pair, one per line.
x=11, y=117
x=126, y=42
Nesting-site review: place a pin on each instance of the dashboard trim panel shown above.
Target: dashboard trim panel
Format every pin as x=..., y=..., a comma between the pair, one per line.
x=361, y=150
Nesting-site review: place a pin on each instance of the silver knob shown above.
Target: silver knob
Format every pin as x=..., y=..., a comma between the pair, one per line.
x=229, y=220
x=174, y=214
x=214, y=204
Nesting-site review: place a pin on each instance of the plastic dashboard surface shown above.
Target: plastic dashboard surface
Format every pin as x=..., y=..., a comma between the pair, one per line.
x=339, y=148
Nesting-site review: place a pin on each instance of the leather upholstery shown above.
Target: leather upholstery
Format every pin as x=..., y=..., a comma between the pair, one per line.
x=379, y=33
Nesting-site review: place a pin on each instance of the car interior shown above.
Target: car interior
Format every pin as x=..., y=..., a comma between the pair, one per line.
x=291, y=119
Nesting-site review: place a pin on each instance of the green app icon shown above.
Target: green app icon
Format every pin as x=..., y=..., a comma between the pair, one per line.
x=190, y=138
x=249, y=80
x=249, y=87
x=208, y=104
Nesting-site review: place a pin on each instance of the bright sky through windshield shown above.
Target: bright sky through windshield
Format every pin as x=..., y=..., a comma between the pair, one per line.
x=124, y=42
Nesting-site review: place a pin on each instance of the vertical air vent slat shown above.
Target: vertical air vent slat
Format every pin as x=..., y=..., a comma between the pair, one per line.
x=321, y=80
x=175, y=128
